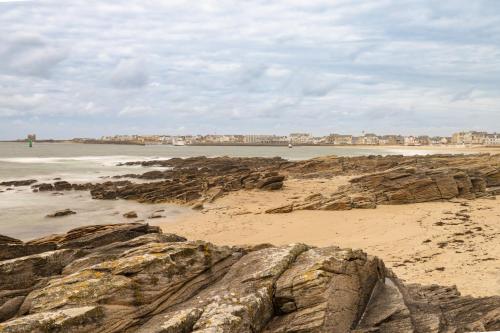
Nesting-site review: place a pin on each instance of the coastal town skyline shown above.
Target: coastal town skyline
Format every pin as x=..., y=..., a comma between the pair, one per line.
x=298, y=138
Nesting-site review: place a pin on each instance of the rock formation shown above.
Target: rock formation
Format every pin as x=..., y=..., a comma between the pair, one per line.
x=422, y=181
x=133, y=278
x=63, y=212
x=185, y=181
x=381, y=179
x=16, y=183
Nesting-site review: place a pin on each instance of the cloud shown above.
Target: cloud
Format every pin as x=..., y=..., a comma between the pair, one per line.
x=129, y=74
x=12, y=103
x=250, y=66
x=136, y=111
x=29, y=54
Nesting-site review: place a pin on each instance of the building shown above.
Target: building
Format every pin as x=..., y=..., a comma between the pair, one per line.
x=424, y=140
x=439, y=140
x=368, y=139
x=469, y=138
x=475, y=138
x=458, y=138
x=411, y=141
x=265, y=139
x=340, y=139
x=390, y=140
x=300, y=138
x=492, y=139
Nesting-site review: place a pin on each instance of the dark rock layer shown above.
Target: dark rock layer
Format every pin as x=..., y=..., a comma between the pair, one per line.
x=26, y=182
x=383, y=179
x=133, y=278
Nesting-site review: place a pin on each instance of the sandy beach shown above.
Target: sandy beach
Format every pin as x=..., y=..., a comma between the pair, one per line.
x=423, y=243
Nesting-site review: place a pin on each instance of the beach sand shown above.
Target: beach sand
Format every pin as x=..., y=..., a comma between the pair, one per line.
x=448, y=243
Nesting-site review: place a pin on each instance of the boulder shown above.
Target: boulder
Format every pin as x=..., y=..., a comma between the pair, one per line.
x=130, y=215
x=43, y=187
x=62, y=186
x=267, y=183
x=60, y=213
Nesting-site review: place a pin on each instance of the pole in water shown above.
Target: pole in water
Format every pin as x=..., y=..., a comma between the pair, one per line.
x=30, y=143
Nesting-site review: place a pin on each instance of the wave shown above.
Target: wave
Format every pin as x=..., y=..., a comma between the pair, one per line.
x=109, y=160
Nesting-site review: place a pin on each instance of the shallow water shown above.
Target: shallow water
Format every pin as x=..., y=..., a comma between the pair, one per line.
x=23, y=213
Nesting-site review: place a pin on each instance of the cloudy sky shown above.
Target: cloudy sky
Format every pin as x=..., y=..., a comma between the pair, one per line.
x=91, y=68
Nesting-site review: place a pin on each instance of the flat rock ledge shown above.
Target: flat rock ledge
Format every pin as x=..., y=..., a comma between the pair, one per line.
x=133, y=278
x=434, y=179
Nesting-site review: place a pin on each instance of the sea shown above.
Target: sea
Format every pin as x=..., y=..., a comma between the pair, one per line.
x=23, y=213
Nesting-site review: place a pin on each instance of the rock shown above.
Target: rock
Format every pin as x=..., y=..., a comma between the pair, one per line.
x=197, y=206
x=6, y=240
x=9, y=308
x=25, y=272
x=342, y=203
x=280, y=210
x=131, y=278
x=97, y=235
x=43, y=187
x=383, y=179
x=155, y=215
x=273, y=186
x=83, y=319
x=62, y=186
x=214, y=193
x=328, y=283
x=130, y=215
x=60, y=213
x=13, y=248
x=428, y=178
x=270, y=183
x=26, y=182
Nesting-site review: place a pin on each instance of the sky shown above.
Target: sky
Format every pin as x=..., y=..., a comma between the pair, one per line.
x=91, y=68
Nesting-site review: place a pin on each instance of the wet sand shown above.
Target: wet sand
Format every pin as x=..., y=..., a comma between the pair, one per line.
x=439, y=242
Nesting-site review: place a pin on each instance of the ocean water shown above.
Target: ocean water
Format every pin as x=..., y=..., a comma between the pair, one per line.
x=23, y=213
x=89, y=161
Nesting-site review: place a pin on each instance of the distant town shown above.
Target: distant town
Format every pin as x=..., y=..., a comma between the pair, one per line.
x=300, y=139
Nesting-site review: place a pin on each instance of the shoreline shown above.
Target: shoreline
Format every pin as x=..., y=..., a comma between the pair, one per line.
x=413, y=213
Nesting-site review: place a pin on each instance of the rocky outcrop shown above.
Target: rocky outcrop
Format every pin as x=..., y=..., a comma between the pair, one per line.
x=16, y=183
x=185, y=181
x=408, y=184
x=383, y=179
x=133, y=278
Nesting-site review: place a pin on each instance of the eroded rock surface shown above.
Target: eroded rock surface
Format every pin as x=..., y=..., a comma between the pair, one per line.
x=425, y=179
x=133, y=278
x=381, y=180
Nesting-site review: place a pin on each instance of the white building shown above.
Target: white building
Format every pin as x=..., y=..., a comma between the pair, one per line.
x=492, y=139
x=265, y=139
x=298, y=138
x=411, y=141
